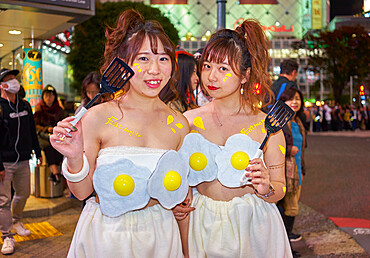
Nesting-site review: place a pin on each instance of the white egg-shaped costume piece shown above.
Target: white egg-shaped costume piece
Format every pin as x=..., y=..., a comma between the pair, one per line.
x=169, y=181
x=228, y=175
x=195, y=144
x=113, y=204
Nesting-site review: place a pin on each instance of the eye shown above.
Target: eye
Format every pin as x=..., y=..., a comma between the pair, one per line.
x=165, y=58
x=224, y=69
x=206, y=66
x=143, y=58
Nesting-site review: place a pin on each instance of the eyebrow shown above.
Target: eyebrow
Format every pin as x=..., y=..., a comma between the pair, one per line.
x=149, y=52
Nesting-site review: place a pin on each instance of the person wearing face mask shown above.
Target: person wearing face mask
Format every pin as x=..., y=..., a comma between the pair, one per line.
x=18, y=139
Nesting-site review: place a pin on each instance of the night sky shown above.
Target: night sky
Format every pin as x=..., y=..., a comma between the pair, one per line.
x=345, y=7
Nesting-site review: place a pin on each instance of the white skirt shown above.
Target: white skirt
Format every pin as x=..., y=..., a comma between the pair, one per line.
x=246, y=226
x=152, y=232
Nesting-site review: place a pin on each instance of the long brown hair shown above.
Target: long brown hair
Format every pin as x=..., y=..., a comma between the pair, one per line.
x=245, y=47
x=125, y=40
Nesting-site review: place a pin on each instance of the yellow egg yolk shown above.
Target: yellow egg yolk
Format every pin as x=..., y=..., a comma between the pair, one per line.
x=124, y=185
x=240, y=160
x=198, y=161
x=172, y=180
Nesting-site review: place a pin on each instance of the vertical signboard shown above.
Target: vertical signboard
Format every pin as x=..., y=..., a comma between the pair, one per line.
x=32, y=75
x=316, y=14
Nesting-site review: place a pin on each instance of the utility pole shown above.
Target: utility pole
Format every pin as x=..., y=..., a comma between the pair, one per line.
x=221, y=14
x=350, y=90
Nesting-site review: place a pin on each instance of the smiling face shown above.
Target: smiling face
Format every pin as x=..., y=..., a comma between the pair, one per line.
x=220, y=80
x=152, y=71
x=294, y=103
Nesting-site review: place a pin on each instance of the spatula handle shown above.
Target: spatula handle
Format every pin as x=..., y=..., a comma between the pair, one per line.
x=77, y=117
x=244, y=179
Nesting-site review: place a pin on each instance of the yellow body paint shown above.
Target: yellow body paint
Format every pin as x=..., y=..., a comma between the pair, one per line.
x=198, y=122
x=112, y=121
x=138, y=66
x=170, y=119
x=263, y=130
x=226, y=76
x=194, y=131
x=284, y=189
x=252, y=127
x=282, y=149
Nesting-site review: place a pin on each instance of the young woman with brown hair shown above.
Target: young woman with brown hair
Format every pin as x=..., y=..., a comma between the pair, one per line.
x=116, y=147
x=230, y=219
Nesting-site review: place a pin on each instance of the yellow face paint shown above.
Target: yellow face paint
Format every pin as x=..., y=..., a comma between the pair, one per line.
x=112, y=121
x=179, y=125
x=282, y=149
x=173, y=130
x=252, y=127
x=263, y=130
x=228, y=75
x=138, y=66
x=284, y=189
x=198, y=122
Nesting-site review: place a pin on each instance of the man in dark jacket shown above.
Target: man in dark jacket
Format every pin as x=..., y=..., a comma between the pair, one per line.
x=18, y=139
x=288, y=74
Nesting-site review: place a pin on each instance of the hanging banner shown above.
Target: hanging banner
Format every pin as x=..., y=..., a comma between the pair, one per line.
x=32, y=75
x=316, y=14
x=258, y=2
x=168, y=1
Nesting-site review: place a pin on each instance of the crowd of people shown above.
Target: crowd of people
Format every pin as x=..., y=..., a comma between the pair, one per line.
x=330, y=117
x=175, y=106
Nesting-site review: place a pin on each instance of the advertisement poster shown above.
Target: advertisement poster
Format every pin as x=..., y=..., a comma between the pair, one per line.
x=32, y=75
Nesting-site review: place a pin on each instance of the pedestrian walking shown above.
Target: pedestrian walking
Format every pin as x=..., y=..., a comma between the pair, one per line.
x=287, y=77
x=295, y=137
x=18, y=140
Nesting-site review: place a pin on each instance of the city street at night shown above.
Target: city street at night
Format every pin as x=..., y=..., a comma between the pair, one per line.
x=335, y=185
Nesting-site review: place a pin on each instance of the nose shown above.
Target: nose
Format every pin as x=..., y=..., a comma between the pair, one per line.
x=212, y=75
x=154, y=67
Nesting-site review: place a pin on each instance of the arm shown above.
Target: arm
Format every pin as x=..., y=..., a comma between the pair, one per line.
x=274, y=173
x=77, y=142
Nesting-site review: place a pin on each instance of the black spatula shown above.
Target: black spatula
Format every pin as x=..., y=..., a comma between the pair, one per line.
x=117, y=74
x=276, y=118
x=114, y=78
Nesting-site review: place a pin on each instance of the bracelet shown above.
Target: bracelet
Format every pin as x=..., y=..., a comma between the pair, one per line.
x=267, y=195
x=77, y=177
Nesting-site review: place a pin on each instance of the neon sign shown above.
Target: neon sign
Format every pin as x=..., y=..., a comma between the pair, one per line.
x=271, y=28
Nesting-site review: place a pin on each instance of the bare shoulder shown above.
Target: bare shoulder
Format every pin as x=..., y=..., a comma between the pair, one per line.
x=198, y=112
x=96, y=114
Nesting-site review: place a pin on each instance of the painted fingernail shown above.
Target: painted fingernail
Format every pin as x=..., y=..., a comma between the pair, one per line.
x=74, y=128
x=61, y=139
x=69, y=135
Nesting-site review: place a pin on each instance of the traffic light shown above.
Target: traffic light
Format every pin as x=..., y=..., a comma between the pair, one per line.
x=362, y=91
x=257, y=88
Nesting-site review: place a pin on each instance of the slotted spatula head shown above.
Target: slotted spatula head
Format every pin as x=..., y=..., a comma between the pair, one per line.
x=278, y=116
x=115, y=76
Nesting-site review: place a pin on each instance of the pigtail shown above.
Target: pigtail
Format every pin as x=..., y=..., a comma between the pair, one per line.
x=258, y=45
x=129, y=22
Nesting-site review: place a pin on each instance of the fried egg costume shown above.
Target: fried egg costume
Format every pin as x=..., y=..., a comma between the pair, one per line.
x=115, y=227
x=245, y=226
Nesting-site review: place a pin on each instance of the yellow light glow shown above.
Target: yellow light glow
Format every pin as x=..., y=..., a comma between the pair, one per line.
x=15, y=32
x=1, y=44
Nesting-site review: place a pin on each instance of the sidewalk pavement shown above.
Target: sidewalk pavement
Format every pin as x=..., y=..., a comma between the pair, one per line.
x=356, y=133
x=321, y=237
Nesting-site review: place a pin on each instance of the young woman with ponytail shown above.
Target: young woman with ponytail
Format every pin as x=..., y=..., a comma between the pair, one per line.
x=230, y=219
x=116, y=146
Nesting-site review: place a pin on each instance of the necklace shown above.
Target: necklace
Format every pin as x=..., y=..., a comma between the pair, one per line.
x=218, y=119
